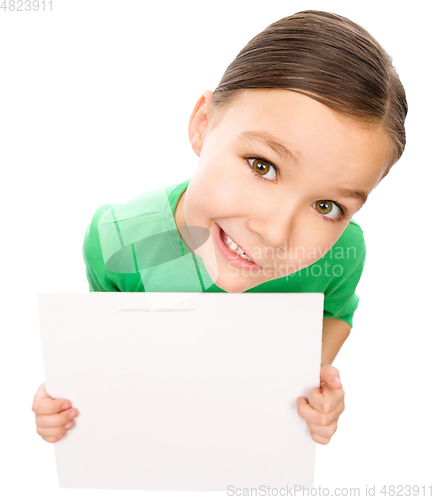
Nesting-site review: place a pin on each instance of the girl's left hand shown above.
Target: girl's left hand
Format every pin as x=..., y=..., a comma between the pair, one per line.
x=325, y=404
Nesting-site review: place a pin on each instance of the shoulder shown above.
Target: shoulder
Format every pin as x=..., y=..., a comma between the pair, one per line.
x=109, y=243
x=122, y=225
x=353, y=234
x=98, y=277
x=91, y=243
x=114, y=227
x=347, y=257
x=353, y=240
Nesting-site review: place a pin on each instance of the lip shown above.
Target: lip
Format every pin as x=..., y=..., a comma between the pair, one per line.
x=231, y=256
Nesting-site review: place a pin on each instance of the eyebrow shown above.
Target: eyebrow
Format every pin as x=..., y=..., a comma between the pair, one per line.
x=350, y=193
x=273, y=143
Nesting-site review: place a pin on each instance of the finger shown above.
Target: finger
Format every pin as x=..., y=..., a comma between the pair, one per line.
x=51, y=432
x=311, y=415
x=43, y=404
x=320, y=439
x=326, y=400
x=55, y=439
x=57, y=419
x=325, y=431
x=331, y=376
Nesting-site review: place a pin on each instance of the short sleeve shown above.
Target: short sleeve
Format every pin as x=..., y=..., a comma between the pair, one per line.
x=99, y=278
x=341, y=300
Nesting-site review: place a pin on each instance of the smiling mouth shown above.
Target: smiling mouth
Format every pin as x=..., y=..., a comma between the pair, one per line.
x=235, y=248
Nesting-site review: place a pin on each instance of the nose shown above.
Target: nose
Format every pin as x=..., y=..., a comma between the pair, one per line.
x=275, y=227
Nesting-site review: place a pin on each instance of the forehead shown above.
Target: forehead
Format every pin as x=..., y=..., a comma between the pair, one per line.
x=319, y=137
x=280, y=109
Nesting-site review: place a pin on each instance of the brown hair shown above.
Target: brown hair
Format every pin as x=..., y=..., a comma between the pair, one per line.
x=329, y=58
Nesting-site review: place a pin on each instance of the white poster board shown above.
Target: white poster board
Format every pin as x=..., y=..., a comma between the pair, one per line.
x=200, y=395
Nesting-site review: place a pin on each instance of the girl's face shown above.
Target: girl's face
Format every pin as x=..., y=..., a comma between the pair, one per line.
x=282, y=175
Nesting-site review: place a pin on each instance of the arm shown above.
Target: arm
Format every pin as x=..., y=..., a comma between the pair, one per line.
x=326, y=403
x=335, y=332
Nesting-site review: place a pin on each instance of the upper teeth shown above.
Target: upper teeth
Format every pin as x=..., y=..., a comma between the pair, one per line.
x=233, y=246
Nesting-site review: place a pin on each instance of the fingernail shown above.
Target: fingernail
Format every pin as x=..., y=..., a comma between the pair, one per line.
x=65, y=406
x=337, y=380
x=71, y=415
x=299, y=400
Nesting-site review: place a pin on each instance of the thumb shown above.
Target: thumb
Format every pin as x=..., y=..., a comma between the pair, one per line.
x=301, y=401
x=330, y=376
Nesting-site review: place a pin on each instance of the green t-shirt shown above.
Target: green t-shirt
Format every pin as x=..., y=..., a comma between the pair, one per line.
x=136, y=247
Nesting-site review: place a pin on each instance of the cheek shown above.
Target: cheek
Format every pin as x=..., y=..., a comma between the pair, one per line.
x=311, y=240
x=217, y=190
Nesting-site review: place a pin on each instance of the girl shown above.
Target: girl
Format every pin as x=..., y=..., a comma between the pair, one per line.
x=304, y=123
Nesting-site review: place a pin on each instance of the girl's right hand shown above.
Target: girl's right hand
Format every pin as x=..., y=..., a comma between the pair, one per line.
x=54, y=417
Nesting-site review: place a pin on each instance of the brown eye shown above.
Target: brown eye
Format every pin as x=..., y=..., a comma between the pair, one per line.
x=263, y=168
x=324, y=206
x=328, y=208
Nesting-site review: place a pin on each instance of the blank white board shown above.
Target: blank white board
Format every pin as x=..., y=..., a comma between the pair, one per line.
x=200, y=395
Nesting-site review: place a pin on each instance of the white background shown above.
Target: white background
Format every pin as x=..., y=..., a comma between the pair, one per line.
x=95, y=98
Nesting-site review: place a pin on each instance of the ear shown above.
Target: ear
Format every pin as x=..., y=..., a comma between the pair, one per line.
x=200, y=120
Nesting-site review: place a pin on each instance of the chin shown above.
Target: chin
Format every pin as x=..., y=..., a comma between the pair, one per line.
x=232, y=286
